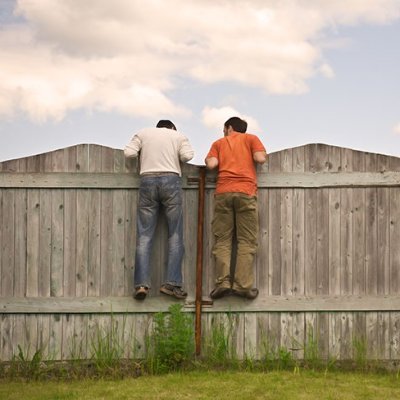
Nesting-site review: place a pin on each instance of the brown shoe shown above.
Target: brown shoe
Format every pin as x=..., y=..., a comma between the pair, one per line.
x=250, y=294
x=174, y=291
x=220, y=291
x=141, y=292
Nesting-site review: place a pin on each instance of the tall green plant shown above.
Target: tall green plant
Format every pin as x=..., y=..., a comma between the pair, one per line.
x=360, y=352
x=273, y=356
x=106, y=346
x=171, y=342
x=312, y=357
x=23, y=365
x=219, y=346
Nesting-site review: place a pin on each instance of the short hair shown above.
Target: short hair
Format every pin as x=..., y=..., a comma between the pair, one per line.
x=166, y=123
x=237, y=124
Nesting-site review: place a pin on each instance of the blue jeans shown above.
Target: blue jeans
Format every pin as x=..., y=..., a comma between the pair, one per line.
x=155, y=192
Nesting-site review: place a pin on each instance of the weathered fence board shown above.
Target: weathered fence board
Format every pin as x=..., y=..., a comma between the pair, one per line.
x=122, y=304
x=383, y=196
x=286, y=229
x=298, y=226
x=262, y=276
x=327, y=265
x=109, y=180
x=334, y=228
x=57, y=230
x=274, y=219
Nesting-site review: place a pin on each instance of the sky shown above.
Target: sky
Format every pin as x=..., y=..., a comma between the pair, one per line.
x=299, y=72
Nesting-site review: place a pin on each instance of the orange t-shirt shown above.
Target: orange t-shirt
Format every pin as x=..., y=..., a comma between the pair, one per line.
x=236, y=169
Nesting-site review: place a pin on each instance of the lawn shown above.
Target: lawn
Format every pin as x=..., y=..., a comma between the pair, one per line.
x=277, y=385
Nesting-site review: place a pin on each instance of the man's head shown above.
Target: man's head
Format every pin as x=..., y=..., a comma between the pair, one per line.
x=166, y=123
x=235, y=124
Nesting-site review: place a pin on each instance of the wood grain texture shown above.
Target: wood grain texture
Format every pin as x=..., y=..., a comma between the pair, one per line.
x=328, y=258
x=274, y=219
x=334, y=229
x=89, y=305
x=286, y=234
x=298, y=227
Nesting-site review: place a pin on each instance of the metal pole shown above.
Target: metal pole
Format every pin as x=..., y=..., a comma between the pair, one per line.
x=199, y=259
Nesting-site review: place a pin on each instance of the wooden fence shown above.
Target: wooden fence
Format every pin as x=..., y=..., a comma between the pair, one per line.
x=328, y=263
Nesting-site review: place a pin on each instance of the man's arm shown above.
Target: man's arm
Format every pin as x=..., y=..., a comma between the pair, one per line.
x=211, y=162
x=132, y=149
x=212, y=156
x=186, y=152
x=260, y=157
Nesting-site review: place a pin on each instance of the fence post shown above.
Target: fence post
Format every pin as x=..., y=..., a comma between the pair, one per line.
x=199, y=259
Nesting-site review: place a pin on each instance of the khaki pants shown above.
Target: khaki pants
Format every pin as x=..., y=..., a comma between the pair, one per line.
x=235, y=212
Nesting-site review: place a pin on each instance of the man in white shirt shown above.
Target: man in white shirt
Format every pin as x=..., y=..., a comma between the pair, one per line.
x=161, y=150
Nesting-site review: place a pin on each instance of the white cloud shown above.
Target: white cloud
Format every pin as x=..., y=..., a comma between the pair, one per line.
x=396, y=129
x=327, y=71
x=126, y=55
x=214, y=118
x=45, y=83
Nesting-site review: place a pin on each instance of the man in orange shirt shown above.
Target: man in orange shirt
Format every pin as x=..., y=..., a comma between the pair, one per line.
x=235, y=156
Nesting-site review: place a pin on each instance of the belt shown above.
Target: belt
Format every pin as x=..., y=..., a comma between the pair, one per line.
x=146, y=174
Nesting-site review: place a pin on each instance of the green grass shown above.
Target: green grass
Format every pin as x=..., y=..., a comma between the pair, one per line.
x=279, y=385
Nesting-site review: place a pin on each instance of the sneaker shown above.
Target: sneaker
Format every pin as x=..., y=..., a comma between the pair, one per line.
x=174, y=291
x=220, y=291
x=250, y=294
x=141, y=292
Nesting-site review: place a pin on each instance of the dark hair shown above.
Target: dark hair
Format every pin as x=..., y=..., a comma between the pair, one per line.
x=166, y=123
x=237, y=124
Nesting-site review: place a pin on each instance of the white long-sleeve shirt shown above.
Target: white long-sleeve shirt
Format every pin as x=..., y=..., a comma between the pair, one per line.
x=161, y=150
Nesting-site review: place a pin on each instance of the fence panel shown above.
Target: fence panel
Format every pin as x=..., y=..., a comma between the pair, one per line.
x=327, y=265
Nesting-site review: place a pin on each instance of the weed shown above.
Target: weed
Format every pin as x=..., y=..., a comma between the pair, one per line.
x=250, y=363
x=219, y=347
x=360, y=352
x=267, y=352
x=106, y=346
x=284, y=358
x=23, y=366
x=312, y=357
x=75, y=348
x=275, y=357
x=330, y=364
x=170, y=345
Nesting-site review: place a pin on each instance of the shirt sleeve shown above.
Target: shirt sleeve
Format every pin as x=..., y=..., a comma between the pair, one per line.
x=213, y=151
x=133, y=147
x=186, y=152
x=256, y=144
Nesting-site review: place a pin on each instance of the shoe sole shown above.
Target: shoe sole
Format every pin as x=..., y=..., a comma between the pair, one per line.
x=172, y=293
x=251, y=294
x=219, y=293
x=140, y=295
